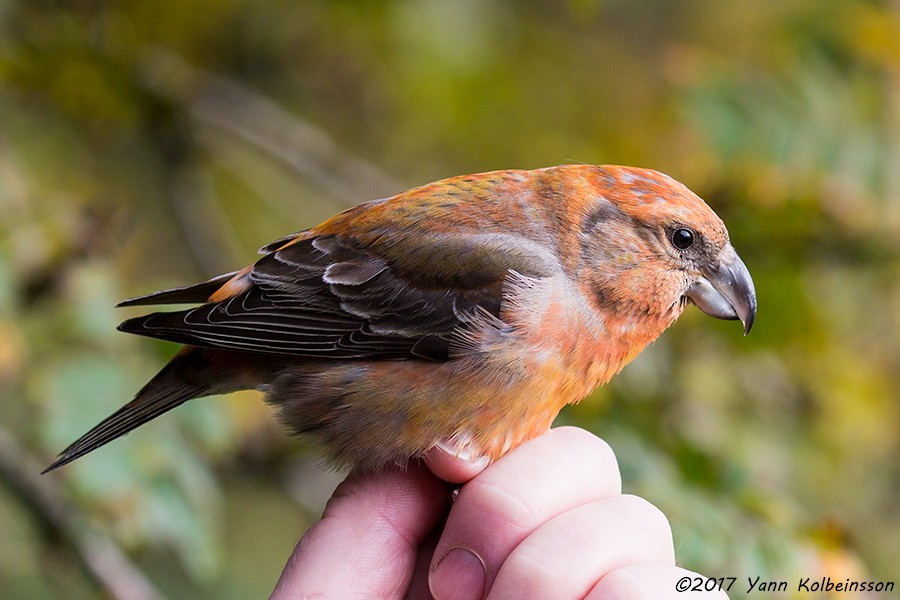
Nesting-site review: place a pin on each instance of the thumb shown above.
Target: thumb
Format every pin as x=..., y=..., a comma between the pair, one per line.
x=367, y=541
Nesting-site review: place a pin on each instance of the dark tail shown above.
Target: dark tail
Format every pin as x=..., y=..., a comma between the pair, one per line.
x=190, y=374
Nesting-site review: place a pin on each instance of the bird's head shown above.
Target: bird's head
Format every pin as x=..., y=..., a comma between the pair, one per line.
x=649, y=246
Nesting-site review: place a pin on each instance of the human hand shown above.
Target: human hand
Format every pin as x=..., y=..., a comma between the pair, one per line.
x=548, y=520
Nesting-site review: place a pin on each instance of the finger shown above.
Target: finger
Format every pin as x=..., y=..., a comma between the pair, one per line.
x=566, y=556
x=454, y=466
x=498, y=509
x=654, y=582
x=418, y=584
x=367, y=541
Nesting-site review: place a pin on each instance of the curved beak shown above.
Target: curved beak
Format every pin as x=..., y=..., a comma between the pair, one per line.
x=725, y=291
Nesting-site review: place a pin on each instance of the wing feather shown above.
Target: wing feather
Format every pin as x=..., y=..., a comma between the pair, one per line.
x=189, y=294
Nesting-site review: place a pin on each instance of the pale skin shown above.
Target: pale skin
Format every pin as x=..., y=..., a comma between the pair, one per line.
x=547, y=520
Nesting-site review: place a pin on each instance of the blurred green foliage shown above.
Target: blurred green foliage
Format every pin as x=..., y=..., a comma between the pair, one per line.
x=147, y=144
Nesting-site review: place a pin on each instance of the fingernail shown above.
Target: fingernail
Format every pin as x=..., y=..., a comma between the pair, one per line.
x=462, y=451
x=459, y=575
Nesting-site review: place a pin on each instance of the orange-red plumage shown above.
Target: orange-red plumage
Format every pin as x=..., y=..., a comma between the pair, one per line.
x=466, y=312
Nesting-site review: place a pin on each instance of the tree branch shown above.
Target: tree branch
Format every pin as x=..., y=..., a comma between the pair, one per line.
x=234, y=108
x=99, y=556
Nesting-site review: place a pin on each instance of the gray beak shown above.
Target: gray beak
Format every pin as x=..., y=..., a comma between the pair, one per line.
x=725, y=291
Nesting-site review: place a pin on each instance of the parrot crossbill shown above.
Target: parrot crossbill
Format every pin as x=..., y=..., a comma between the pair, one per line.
x=464, y=313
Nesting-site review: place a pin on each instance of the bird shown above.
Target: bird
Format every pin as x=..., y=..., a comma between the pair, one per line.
x=464, y=313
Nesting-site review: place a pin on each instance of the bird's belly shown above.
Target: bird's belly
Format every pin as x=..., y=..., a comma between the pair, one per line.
x=370, y=414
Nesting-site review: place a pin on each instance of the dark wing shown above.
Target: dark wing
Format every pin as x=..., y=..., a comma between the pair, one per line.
x=322, y=297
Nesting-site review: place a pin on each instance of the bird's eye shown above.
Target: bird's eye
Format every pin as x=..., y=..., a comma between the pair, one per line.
x=682, y=238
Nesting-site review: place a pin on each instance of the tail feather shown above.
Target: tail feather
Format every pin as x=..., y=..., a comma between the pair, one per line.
x=187, y=376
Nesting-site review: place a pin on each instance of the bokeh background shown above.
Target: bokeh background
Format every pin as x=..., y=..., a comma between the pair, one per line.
x=153, y=144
